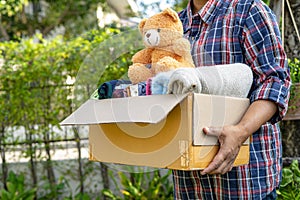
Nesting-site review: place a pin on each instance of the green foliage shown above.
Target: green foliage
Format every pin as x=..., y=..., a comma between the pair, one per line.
x=53, y=191
x=35, y=95
x=11, y=7
x=294, y=66
x=142, y=186
x=80, y=196
x=18, y=21
x=180, y=5
x=16, y=188
x=33, y=76
x=109, y=61
x=267, y=2
x=290, y=186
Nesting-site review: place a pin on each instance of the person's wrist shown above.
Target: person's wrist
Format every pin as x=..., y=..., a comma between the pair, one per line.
x=244, y=133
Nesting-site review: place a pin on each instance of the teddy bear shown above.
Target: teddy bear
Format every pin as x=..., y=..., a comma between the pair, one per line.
x=165, y=47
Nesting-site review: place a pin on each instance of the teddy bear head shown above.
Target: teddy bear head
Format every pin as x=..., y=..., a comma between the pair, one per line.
x=161, y=29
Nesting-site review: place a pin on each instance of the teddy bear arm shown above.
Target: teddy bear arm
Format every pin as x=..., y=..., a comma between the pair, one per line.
x=142, y=56
x=181, y=46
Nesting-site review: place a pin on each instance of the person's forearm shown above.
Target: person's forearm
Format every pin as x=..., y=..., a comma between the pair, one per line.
x=257, y=114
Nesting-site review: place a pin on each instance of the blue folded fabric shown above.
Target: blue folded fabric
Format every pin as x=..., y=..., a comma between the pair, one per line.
x=105, y=91
x=142, y=88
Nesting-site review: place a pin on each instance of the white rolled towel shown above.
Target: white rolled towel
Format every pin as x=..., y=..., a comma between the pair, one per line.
x=227, y=80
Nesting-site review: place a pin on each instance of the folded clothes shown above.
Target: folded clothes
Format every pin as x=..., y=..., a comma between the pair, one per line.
x=160, y=83
x=137, y=89
x=148, y=86
x=142, y=88
x=120, y=93
x=233, y=80
x=122, y=89
x=105, y=91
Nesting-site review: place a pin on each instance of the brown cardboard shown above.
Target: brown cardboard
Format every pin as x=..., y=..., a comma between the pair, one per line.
x=160, y=131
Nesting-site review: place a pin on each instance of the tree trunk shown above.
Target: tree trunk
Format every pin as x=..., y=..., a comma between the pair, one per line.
x=290, y=140
x=3, y=159
x=105, y=178
x=80, y=171
x=291, y=45
x=46, y=133
x=32, y=155
x=49, y=165
x=276, y=6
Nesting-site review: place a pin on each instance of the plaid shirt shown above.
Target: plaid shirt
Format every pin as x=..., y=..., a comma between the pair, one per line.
x=240, y=31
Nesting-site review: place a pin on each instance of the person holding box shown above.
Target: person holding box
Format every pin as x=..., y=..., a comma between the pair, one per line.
x=239, y=31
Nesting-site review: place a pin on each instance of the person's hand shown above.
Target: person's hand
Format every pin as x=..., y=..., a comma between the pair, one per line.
x=184, y=80
x=230, y=138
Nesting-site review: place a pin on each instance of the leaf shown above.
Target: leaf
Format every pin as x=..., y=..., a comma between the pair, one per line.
x=11, y=188
x=83, y=196
x=297, y=197
x=287, y=177
x=295, y=168
x=297, y=180
x=5, y=195
x=126, y=193
x=28, y=195
x=108, y=193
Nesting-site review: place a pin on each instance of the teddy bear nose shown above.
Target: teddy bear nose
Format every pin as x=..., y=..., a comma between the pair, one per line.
x=148, y=35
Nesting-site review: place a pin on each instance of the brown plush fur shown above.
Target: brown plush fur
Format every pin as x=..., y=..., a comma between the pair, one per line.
x=165, y=48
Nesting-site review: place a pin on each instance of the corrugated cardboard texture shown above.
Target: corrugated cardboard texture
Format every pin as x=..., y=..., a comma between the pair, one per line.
x=148, y=109
x=113, y=143
x=168, y=143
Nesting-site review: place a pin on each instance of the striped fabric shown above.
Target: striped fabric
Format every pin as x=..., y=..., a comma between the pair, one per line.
x=240, y=31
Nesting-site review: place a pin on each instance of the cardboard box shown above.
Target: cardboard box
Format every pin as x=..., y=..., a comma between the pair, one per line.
x=163, y=131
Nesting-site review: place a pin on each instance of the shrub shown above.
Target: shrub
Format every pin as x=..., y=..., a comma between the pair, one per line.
x=35, y=95
x=142, y=186
x=290, y=186
x=16, y=188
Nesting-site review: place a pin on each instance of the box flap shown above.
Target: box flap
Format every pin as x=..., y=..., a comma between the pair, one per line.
x=147, y=109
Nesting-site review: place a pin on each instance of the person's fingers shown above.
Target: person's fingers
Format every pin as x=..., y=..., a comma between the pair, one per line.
x=214, y=131
x=220, y=165
x=224, y=159
x=225, y=167
x=214, y=165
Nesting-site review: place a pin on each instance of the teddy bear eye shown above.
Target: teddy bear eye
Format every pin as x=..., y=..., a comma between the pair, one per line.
x=158, y=30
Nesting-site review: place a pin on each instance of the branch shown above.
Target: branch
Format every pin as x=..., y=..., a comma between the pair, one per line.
x=60, y=19
x=3, y=31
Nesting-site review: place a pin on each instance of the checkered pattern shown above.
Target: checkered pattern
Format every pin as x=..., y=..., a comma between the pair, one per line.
x=240, y=31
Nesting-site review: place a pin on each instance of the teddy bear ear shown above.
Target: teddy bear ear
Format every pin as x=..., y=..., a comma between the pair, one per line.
x=142, y=24
x=170, y=12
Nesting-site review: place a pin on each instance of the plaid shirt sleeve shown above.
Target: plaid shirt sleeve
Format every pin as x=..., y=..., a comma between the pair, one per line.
x=265, y=54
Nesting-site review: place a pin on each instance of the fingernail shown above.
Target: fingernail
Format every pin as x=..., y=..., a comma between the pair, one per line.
x=205, y=130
